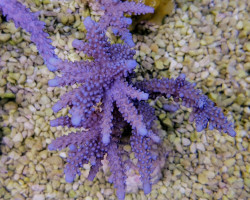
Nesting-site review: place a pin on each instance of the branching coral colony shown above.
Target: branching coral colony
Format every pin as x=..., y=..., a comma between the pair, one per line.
x=105, y=102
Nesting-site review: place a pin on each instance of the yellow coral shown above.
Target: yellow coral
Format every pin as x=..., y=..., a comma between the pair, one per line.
x=162, y=8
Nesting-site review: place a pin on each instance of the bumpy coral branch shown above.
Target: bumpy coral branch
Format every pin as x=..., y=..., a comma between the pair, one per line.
x=140, y=145
x=114, y=17
x=83, y=147
x=22, y=17
x=117, y=169
x=107, y=118
x=203, y=112
x=95, y=168
x=110, y=62
x=77, y=72
x=127, y=108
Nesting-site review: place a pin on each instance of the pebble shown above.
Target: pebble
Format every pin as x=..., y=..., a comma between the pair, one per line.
x=247, y=46
x=240, y=99
x=55, y=160
x=10, y=106
x=186, y=141
x=200, y=146
x=179, y=24
x=29, y=71
x=32, y=108
x=193, y=147
x=5, y=37
x=193, y=44
x=182, y=43
x=247, y=182
x=144, y=48
x=160, y=43
x=63, y=155
x=209, y=39
x=202, y=178
x=127, y=148
x=159, y=64
x=99, y=196
x=230, y=162
x=209, y=174
x=154, y=47
x=48, y=112
x=18, y=138
x=72, y=194
x=193, y=8
x=44, y=100
x=163, y=189
x=19, y=168
x=38, y=197
x=204, y=74
x=108, y=192
x=28, y=126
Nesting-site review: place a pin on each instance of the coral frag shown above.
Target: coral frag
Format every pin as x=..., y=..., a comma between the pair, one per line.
x=105, y=103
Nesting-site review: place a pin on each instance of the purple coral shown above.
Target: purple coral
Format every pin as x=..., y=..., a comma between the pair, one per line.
x=105, y=103
x=22, y=17
x=204, y=111
x=114, y=17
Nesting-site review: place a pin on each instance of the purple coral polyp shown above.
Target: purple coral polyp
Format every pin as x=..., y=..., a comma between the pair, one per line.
x=105, y=103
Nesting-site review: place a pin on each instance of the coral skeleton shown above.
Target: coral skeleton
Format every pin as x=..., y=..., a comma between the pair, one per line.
x=105, y=102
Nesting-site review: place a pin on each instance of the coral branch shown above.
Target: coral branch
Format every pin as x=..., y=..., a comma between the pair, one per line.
x=22, y=17
x=203, y=109
x=114, y=17
x=117, y=169
x=142, y=152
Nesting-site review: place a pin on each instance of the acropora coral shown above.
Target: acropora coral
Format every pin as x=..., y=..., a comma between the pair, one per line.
x=104, y=101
